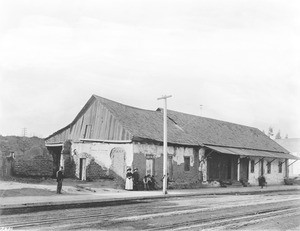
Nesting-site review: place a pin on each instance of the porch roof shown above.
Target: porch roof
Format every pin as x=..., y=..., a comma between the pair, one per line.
x=251, y=152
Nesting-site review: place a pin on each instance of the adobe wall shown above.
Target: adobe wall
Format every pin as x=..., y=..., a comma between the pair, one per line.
x=102, y=159
x=142, y=151
x=294, y=168
x=272, y=178
x=34, y=162
x=30, y=158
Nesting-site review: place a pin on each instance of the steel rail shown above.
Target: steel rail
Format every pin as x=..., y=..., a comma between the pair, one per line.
x=219, y=221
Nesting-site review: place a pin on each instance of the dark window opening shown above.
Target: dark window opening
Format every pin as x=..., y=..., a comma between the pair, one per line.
x=280, y=167
x=252, y=166
x=269, y=167
x=187, y=162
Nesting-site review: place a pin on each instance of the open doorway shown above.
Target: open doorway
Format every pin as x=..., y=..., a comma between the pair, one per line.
x=222, y=167
x=82, y=169
x=244, y=169
x=55, y=151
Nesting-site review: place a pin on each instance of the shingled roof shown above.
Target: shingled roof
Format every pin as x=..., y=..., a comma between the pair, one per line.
x=186, y=129
x=189, y=129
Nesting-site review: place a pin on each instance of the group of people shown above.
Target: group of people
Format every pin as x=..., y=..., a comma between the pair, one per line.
x=149, y=182
x=133, y=181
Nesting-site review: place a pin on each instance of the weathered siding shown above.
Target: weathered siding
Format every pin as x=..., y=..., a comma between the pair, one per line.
x=95, y=123
x=60, y=136
x=103, y=125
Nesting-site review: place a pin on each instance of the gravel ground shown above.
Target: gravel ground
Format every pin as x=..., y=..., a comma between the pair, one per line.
x=47, y=187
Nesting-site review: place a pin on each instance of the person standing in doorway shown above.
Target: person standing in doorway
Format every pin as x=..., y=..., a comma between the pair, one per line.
x=59, y=179
x=136, y=178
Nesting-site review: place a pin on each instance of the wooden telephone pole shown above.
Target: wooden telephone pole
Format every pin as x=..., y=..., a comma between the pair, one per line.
x=165, y=174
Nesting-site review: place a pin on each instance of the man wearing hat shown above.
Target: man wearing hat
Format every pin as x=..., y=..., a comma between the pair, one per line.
x=59, y=179
x=136, y=177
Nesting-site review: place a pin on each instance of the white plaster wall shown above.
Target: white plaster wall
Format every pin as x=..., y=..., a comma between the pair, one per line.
x=203, y=164
x=253, y=177
x=272, y=178
x=157, y=150
x=100, y=152
x=181, y=152
x=294, y=169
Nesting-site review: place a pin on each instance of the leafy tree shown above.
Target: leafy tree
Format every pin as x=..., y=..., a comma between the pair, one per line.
x=270, y=132
x=278, y=136
x=23, y=144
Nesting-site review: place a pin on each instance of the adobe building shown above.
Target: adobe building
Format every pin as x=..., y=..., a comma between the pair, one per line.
x=106, y=137
x=293, y=146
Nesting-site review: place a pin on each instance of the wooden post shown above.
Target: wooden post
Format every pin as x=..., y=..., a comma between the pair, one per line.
x=165, y=174
x=238, y=168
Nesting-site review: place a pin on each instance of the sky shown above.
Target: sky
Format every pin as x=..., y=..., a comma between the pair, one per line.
x=240, y=59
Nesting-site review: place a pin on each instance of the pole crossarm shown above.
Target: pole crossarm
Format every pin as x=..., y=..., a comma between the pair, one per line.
x=164, y=97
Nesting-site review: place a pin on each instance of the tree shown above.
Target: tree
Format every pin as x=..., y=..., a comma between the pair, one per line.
x=278, y=136
x=23, y=144
x=270, y=132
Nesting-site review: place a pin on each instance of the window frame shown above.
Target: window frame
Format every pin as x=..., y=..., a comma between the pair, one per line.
x=280, y=163
x=269, y=169
x=187, y=163
x=252, y=166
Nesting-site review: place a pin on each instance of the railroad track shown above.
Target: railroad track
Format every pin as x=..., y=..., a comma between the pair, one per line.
x=103, y=218
x=229, y=222
x=96, y=217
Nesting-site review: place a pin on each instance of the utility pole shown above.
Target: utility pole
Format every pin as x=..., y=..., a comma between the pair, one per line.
x=165, y=174
x=24, y=131
x=201, y=107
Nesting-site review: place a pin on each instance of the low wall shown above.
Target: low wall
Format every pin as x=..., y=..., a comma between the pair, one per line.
x=34, y=162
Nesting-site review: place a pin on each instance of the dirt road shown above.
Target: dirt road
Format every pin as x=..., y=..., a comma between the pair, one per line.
x=272, y=211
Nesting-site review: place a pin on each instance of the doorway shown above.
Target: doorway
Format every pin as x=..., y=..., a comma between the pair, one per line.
x=150, y=166
x=170, y=166
x=118, y=162
x=82, y=169
x=55, y=151
x=244, y=169
x=222, y=167
x=262, y=170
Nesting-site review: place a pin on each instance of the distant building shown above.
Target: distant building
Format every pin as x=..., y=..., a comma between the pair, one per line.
x=293, y=146
x=106, y=137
